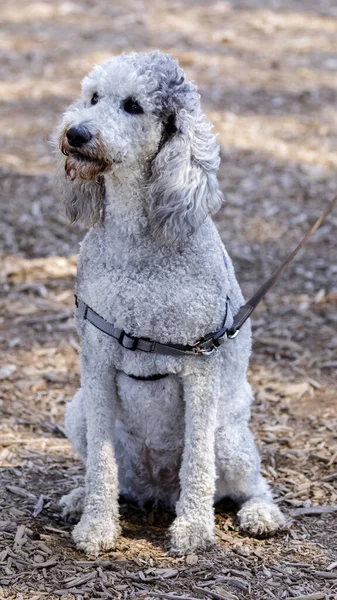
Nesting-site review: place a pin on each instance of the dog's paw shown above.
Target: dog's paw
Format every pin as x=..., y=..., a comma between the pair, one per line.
x=95, y=536
x=260, y=518
x=72, y=505
x=190, y=536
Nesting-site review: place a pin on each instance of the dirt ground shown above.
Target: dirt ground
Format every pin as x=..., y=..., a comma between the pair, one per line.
x=267, y=72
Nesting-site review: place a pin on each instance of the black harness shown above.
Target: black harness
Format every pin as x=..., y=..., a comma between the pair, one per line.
x=205, y=346
x=209, y=343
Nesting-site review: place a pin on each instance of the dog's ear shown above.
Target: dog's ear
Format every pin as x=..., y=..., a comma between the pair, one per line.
x=183, y=186
x=84, y=200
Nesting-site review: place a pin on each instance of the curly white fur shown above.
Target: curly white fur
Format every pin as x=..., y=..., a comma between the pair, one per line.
x=154, y=266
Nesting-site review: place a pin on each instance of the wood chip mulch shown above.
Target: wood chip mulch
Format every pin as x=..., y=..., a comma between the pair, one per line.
x=267, y=75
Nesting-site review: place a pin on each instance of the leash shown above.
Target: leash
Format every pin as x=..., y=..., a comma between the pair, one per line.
x=209, y=343
x=246, y=310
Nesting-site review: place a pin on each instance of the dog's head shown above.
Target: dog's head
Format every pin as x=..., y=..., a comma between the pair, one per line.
x=139, y=112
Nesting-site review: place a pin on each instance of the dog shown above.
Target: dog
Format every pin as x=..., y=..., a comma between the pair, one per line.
x=138, y=162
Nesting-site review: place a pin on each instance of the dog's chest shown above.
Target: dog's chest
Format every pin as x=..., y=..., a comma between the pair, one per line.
x=168, y=298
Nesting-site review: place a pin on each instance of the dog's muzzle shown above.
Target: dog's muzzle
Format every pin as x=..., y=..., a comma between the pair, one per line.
x=87, y=156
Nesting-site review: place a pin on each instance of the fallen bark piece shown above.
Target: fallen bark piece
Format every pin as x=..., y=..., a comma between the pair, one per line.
x=8, y=526
x=105, y=590
x=59, y=531
x=38, y=506
x=237, y=583
x=314, y=596
x=324, y=574
x=51, y=562
x=169, y=573
x=18, y=491
x=297, y=389
x=214, y=595
x=99, y=562
x=330, y=477
x=332, y=566
x=42, y=546
x=161, y=595
x=314, y=510
x=192, y=560
x=20, y=538
x=80, y=580
x=75, y=592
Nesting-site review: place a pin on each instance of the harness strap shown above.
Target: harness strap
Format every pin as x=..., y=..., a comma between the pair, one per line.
x=154, y=377
x=203, y=346
x=209, y=343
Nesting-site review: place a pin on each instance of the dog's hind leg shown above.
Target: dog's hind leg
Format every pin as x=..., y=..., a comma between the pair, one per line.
x=76, y=425
x=239, y=477
x=76, y=431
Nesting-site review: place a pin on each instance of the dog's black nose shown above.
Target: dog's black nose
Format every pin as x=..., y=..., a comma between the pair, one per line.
x=77, y=136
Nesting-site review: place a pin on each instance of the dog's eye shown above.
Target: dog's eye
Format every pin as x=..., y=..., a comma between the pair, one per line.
x=94, y=99
x=131, y=106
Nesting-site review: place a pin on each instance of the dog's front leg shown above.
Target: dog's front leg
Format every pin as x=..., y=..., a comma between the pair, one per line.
x=193, y=528
x=99, y=527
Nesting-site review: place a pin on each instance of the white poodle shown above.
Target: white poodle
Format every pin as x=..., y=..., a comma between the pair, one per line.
x=139, y=164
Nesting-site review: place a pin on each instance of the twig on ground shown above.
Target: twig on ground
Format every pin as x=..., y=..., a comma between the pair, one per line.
x=162, y=595
x=210, y=593
x=330, y=477
x=314, y=510
x=39, y=506
x=314, y=596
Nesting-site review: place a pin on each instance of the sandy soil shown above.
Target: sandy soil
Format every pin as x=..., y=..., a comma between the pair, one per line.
x=267, y=72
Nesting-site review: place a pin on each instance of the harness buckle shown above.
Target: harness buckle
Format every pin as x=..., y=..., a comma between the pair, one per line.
x=216, y=340
x=199, y=349
x=205, y=351
x=128, y=341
